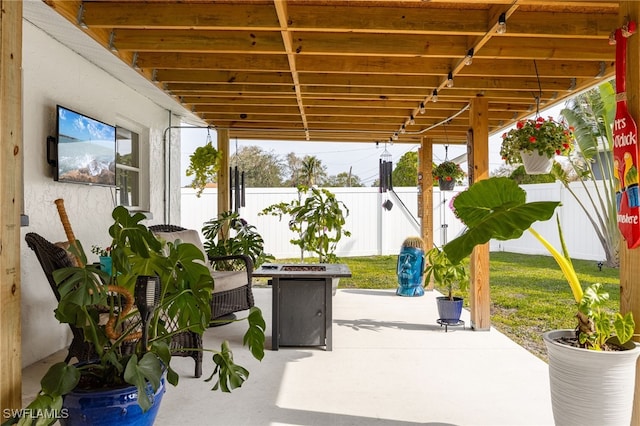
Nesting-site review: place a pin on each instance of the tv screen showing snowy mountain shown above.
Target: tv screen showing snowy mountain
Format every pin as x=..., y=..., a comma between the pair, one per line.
x=86, y=149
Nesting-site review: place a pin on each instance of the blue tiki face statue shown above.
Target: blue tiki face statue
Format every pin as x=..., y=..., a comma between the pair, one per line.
x=410, y=270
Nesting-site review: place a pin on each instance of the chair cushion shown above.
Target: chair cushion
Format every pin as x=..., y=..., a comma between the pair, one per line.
x=186, y=236
x=222, y=280
x=228, y=280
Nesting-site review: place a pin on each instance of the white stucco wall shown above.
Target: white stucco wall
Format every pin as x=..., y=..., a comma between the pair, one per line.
x=53, y=74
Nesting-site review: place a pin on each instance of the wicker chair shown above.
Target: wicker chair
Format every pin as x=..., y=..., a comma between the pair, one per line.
x=226, y=301
x=52, y=257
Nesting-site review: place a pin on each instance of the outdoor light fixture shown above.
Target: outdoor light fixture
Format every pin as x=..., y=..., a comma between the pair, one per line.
x=403, y=129
x=395, y=136
x=502, y=24
x=147, y=296
x=421, y=109
x=468, y=60
x=434, y=97
x=412, y=120
x=450, y=79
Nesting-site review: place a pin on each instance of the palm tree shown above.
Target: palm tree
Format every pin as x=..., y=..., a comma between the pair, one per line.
x=591, y=114
x=312, y=171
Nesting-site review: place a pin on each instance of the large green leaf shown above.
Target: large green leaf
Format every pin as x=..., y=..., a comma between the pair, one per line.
x=254, y=337
x=230, y=375
x=494, y=208
x=139, y=373
x=61, y=379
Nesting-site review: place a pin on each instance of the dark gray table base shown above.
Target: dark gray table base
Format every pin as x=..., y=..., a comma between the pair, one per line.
x=302, y=312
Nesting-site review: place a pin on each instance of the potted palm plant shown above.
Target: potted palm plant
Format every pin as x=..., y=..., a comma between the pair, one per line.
x=591, y=368
x=131, y=352
x=447, y=174
x=535, y=142
x=448, y=275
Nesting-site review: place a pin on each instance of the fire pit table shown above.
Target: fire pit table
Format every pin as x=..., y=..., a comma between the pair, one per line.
x=302, y=309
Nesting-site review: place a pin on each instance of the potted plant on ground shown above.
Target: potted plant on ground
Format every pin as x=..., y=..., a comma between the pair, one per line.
x=447, y=174
x=591, y=368
x=448, y=275
x=220, y=242
x=172, y=289
x=534, y=143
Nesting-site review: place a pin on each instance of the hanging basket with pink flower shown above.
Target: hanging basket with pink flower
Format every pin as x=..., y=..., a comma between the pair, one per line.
x=447, y=174
x=537, y=141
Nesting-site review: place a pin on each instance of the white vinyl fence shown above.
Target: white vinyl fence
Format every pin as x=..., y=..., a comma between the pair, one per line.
x=376, y=231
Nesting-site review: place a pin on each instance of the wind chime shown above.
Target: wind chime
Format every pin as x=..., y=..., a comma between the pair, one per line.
x=236, y=187
x=386, y=184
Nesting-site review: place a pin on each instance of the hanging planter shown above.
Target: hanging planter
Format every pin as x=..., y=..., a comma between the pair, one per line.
x=536, y=164
x=541, y=137
x=203, y=165
x=447, y=174
x=446, y=185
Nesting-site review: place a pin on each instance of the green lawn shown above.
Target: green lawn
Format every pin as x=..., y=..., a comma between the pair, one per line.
x=529, y=294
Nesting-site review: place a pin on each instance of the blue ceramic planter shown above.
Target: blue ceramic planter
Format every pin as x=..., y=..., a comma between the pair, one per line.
x=449, y=310
x=110, y=407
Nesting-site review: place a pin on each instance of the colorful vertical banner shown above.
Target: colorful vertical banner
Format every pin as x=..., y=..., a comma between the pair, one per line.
x=625, y=148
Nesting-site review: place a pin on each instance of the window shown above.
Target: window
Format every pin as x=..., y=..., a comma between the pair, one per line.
x=128, y=168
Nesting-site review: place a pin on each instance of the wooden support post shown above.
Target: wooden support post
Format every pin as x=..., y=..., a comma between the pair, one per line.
x=479, y=302
x=630, y=259
x=224, y=182
x=425, y=183
x=11, y=202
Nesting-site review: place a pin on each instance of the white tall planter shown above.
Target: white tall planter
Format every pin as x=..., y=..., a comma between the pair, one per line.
x=590, y=387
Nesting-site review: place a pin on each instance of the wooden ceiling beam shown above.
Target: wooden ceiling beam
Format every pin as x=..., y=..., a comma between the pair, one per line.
x=200, y=41
x=238, y=78
x=171, y=15
x=283, y=19
x=213, y=61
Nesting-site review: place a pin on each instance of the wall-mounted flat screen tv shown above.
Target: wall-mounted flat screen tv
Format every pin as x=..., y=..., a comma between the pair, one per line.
x=85, y=149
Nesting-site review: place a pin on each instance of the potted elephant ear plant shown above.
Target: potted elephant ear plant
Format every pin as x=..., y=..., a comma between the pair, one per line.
x=535, y=142
x=592, y=367
x=447, y=174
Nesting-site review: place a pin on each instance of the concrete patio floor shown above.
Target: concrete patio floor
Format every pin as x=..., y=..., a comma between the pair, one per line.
x=391, y=364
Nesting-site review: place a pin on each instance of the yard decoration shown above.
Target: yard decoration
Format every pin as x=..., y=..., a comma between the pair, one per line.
x=534, y=143
x=410, y=267
x=122, y=359
x=625, y=149
x=582, y=385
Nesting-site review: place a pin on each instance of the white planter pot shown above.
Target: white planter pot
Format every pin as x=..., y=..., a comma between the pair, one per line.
x=590, y=387
x=536, y=164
